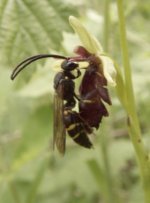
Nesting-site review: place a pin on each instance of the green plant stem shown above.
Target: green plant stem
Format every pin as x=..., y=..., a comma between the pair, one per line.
x=104, y=142
x=104, y=139
x=133, y=122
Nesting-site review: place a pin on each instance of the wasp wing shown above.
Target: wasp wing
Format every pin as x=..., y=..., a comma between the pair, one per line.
x=59, y=134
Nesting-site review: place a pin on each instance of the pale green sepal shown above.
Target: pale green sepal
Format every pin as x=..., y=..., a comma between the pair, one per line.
x=88, y=40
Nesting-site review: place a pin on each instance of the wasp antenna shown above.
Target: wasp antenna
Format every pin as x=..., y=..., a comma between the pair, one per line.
x=31, y=59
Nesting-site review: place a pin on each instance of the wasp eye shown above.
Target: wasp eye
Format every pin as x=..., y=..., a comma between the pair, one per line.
x=69, y=65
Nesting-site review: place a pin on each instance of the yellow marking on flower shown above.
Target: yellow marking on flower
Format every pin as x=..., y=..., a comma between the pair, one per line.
x=83, y=64
x=88, y=101
x=99, y=74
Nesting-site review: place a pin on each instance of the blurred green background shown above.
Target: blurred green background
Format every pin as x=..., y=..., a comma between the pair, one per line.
x=30, y=172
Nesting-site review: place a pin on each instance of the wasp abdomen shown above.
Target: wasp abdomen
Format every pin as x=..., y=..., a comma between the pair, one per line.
x=77, y=129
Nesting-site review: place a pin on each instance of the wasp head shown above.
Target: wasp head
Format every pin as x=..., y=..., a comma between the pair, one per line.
x=69, y=65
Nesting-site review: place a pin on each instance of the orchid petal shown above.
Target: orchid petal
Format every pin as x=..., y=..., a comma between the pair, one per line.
x=109, y=70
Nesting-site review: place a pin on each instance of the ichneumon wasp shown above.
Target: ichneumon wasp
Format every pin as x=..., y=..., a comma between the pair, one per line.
x=65, y=101
x=65, y=118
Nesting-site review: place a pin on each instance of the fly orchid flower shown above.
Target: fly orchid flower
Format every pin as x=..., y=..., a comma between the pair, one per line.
x=92, y=45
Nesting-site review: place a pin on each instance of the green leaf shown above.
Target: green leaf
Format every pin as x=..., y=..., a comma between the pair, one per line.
x=31, y=27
